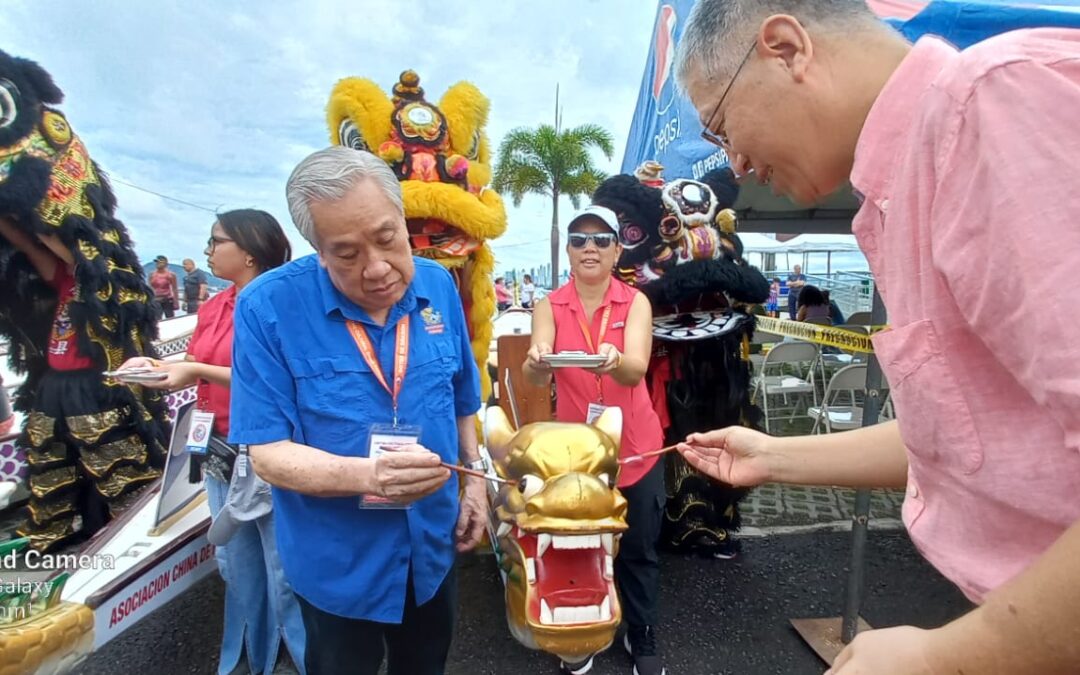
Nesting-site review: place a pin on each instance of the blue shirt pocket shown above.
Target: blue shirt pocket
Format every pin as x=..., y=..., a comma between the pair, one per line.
x=336, y=402
x=432, y=368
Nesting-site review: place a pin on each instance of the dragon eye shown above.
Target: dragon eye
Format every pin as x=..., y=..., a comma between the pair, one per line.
x=349, y=136
x=632, y=235
x=9, y=95
x=474, y=151
x=530, y=485
x=606, y=480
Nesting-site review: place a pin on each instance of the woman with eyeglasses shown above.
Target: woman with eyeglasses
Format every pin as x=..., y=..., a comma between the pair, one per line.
x=598, y=314
x=260, y=608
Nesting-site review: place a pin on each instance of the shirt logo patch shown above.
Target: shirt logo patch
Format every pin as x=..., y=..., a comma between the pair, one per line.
x=619, y=324
x=432, y=320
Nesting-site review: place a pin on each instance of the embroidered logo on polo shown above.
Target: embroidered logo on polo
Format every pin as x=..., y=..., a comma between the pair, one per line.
x=432, y=319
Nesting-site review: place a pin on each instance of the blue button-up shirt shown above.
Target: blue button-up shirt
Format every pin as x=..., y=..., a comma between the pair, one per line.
x=298, y=375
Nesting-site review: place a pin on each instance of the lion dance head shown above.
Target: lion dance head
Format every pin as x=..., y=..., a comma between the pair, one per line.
x=50, y=186
x=558, y=530
x=441, y=155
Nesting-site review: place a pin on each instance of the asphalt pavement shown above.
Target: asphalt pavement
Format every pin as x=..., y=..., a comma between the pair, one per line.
x=727, y=617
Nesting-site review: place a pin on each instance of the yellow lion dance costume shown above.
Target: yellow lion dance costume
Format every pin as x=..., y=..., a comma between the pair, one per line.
x=441, y=156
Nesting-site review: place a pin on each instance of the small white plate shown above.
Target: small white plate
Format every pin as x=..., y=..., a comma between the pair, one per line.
x=573, y=360
x=137, y=375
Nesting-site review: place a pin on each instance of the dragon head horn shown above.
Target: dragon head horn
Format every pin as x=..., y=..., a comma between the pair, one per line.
x=408, y=87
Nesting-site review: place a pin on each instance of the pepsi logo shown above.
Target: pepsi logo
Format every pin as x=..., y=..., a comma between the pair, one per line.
x=663, y=91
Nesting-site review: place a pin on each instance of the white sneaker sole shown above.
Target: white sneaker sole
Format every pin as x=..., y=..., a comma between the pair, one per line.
x=626, y=643
x=581, y=670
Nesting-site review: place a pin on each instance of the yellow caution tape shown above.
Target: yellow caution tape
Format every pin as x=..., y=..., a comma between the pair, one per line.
x=823, y=335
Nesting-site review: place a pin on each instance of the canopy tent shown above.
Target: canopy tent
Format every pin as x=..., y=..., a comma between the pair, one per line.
x=665, y=127
x=804, y=243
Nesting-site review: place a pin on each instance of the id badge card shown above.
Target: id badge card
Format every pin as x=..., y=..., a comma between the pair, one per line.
x=202, y=423
x=383, y=438
x=595, y=411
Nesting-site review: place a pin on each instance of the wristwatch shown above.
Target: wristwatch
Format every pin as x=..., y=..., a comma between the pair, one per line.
x=476, y=465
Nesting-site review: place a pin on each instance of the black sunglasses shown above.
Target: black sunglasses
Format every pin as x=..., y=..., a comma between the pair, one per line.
x=720, y=138
x=601, y=239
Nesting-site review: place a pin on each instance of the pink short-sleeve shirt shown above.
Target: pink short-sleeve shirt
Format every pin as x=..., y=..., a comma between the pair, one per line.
x=968, y=166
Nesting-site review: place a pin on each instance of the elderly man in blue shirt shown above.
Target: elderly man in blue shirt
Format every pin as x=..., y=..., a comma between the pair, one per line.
x=353, y=381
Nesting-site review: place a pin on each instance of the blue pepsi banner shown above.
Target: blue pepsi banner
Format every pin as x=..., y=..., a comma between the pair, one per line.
x=666, y=127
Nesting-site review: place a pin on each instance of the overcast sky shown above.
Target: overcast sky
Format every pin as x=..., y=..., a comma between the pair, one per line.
x=214, y=103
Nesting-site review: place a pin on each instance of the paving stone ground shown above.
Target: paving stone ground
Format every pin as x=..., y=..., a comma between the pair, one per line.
x=777, y=507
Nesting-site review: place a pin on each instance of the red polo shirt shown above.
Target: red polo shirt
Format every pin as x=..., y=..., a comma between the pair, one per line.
x=212, y=344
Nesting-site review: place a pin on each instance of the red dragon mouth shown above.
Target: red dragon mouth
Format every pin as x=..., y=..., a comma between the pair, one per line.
x=571, y=577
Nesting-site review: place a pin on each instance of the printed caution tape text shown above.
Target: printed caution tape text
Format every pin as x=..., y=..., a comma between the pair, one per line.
x=822, y=335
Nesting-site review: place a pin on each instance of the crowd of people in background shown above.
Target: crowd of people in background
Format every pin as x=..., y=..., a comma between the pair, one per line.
x=512, y=294
x=166, y=285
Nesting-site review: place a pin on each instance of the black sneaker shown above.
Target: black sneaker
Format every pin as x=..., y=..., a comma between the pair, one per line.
x=640, y=642
x=579, y=668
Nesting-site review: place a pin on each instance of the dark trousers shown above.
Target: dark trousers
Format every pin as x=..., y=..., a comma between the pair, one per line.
x=168, y=309
x=792, y=305
x=637, y=567
x=419, y=645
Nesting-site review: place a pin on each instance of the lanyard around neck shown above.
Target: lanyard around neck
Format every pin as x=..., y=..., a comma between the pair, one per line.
x=587, y=333
x=401, y=356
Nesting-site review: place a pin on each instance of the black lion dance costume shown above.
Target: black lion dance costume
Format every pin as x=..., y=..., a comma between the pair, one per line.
x=74, y=304
x=681, y=250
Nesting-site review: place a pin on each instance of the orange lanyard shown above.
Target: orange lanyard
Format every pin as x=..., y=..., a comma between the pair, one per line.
x=401, y=356
x=600, y=340
x=603, y=329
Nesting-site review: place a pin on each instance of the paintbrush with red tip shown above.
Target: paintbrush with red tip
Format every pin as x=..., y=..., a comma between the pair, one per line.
x=652, y=453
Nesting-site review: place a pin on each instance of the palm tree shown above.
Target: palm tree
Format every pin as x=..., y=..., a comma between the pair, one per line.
x=551, y=162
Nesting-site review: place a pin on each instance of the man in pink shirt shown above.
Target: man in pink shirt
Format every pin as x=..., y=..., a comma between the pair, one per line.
x=967, y=164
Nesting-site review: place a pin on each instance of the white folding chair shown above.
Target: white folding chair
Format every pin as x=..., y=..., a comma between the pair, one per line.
x=859, y=318
x=887, y=410
x=837, y=416
x=762, y=338
x=801, y=356
x=829, y=363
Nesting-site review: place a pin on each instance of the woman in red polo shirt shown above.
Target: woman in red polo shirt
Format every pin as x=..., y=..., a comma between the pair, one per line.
x=599, y=314
x=260, y=606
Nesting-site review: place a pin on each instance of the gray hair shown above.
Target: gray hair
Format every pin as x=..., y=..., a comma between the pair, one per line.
x=719, y=32
x=327, y=175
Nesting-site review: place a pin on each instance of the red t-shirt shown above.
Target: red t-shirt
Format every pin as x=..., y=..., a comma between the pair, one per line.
x=212, y=344
x=63, y=343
